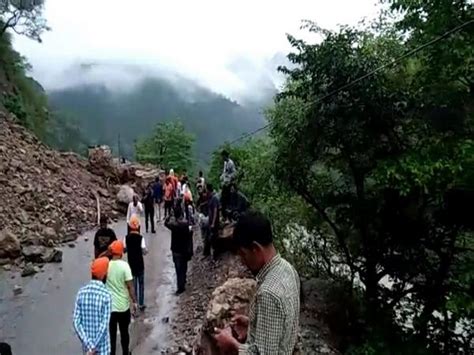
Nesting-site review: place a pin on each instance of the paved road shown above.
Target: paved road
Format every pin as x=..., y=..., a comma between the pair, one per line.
x=39, y=321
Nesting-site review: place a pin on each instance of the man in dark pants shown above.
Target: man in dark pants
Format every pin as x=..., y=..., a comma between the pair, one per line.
x=213, y=206
x=181, y=246
x=135, y=247
x=120, y=284
x=149, y=204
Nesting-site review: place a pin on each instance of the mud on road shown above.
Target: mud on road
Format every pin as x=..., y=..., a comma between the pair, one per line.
x=39, y=320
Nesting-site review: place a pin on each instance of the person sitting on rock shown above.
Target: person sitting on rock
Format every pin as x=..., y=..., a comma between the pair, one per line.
x=134, y=208
x=272, y=325
x=92, y=311
x=135, y=247
x=238, y=203
x=181, y=246
x=103, y=237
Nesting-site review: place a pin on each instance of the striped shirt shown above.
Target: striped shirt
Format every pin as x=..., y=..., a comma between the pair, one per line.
x=275, y=311
x=91, y=317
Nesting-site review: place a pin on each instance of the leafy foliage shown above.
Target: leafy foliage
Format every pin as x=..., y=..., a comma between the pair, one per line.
x=24, y=17
x=169, y=146
x=374, y=178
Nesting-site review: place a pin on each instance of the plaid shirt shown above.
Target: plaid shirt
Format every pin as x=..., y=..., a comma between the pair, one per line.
x=274, y=312
x=92, y=315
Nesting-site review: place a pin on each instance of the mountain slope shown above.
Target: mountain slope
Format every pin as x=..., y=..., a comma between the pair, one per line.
x=105, y=114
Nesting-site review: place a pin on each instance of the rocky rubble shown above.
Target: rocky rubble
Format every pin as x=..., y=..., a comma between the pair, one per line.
x=216, y=288
x=49, y=197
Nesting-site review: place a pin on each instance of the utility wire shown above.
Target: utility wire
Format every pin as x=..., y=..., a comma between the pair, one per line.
x=365, y=76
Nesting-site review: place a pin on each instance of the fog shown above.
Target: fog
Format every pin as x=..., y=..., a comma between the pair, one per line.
x=231, y=47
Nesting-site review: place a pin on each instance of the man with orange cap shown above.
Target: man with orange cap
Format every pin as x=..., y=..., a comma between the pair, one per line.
x=92, y=311
x=135, y=248
x=120, y=285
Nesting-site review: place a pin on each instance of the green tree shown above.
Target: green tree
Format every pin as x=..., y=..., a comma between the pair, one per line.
x=169, y=146
x=379, y=172
x=24, y=17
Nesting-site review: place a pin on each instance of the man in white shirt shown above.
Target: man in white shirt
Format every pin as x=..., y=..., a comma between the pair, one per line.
x=227, y=178
x=134, y=208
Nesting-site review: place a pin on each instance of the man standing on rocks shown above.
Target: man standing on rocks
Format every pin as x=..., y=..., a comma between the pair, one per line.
x=181, y=246
x=272, y=325
x=92, y=311
x=134, y=208
x=120, y=285
x=213, y=207
x=103, y=237
x=227, y=178
x=135, y=247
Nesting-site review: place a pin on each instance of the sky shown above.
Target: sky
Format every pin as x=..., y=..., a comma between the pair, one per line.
x=218, y=43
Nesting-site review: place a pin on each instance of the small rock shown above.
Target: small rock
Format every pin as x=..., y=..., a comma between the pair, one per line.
x=7, y=267
x=71, y=245
x=9, y=244
x=17, y=289
x=28, y=270
x=66, y=189
x=86, y=239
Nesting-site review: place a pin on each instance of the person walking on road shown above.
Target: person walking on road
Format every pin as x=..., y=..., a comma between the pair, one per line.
x=149, y=204
x=92, y=311
x=120, y=284
x=169, y=196
x=272, y=325
x=181, y=246
x=135, y=247
x=103, y=237
x=158, y=197
x=134, y=208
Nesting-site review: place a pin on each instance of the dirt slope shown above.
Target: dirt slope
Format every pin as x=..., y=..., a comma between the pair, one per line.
x=47, y=197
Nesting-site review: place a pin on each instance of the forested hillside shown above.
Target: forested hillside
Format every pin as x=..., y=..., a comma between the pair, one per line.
x=104, y=114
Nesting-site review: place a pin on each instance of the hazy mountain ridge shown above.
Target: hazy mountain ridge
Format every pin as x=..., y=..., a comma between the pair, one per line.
x=104, y=113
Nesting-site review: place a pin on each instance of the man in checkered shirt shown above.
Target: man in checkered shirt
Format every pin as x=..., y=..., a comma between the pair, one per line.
x=272, y=325
x=92, y=311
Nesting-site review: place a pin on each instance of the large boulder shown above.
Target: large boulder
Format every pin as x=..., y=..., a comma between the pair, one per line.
x=125, y=195
x=234, y=296
x=41, y=254
x=9, y=245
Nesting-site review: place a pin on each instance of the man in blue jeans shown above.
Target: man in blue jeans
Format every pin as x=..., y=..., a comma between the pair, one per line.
x=135, y=247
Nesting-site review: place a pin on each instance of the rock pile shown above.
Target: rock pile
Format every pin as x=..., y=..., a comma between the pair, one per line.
x=48, y=197
x=234, y=296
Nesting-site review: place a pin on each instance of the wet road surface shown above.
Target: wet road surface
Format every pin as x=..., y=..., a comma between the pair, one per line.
x=39, y=321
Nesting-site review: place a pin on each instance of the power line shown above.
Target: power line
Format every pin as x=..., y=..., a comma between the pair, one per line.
x=365, y=76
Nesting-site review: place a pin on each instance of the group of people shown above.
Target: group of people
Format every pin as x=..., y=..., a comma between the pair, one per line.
x=115, y=292
x=116, y=289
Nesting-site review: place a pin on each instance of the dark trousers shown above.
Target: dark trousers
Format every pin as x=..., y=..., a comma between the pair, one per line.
x=122, y=319
x=210, y=241
x=139, y=285
x=150, y=216
x=181, y=265
x=225, y=199
x=168, y=208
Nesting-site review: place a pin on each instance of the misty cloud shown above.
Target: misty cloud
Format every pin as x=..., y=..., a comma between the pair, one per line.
x=227, y=46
